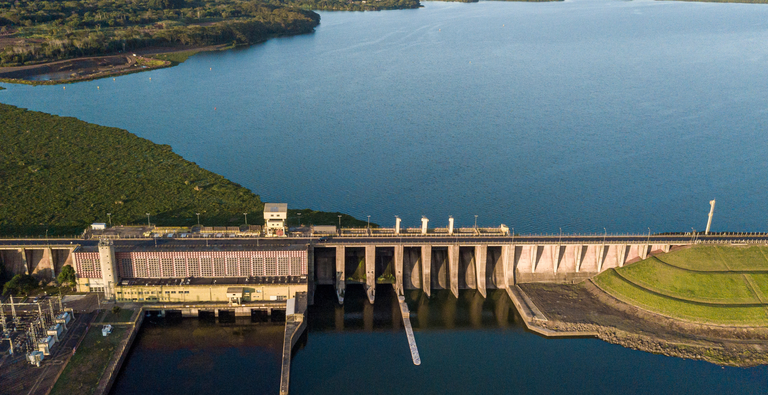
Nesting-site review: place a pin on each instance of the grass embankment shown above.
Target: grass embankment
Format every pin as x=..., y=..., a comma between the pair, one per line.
x=709, y=284
x=62, y=174
x=86, y=367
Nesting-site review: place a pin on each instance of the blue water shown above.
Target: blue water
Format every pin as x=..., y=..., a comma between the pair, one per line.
x=580, y=115
x=576, y=115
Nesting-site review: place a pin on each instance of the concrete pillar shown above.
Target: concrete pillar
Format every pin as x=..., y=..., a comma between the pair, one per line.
x=108, y=267
x=426, y=267
x=534, y=250
x=397, y=225
x=51, y=261
x=644, y=251
x=577, y=252
x=450, y=225
x=311, y=275
x=666, y=247
x=507, y=256
x=481, y=253
x=424, y=223
x=370, y=272
x=555, y=257
x=341, y=279
x=23, y=253
x=711, y=211
x=453, y=268
x=398, y=258
x=599, y=257
x=621, y=256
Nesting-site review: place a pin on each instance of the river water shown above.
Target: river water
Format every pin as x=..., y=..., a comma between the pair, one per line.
x=576, y=115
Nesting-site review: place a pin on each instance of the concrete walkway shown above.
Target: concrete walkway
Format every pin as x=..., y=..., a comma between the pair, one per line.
x=409, y=330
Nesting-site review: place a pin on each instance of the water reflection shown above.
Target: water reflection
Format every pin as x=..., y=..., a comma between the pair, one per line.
x=440, y=311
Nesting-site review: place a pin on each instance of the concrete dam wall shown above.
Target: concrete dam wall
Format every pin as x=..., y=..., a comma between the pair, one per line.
x=481, y=267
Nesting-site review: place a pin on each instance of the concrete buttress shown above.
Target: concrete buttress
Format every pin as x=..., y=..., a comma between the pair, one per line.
x=23, y=253
x=340, y=275
x=398, y=269
x=370, y=272
x=622, y=255
x=453, y=268
x=577, y=251
x=506, y=250
x=481, y=255
x=426, y=267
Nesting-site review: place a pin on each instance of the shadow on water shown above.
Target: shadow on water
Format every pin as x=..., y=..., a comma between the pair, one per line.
x=174, y=355
x=440, y=311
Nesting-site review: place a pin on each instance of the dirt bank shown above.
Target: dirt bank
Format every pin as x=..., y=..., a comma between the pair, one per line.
x=586, y=308
x=89, y=68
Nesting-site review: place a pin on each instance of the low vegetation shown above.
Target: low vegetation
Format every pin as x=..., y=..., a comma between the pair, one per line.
x=710, y=284
x=62, y=174
x=86, y=367
x=115, y=315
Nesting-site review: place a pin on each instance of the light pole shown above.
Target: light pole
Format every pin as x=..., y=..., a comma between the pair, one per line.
x=369, y=222
x=246, y=218
x=299, y=215
x=110, y=219
x=649, y=236
x=148, y=223
x=339, y=224
x=604, y=235
x=475, y=221
x=560, y=240
x=198, y=218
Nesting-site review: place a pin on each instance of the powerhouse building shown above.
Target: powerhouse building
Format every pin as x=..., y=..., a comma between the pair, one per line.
x=191, y=273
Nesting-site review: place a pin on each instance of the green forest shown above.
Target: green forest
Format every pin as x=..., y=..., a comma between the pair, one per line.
x=38, y=31
x=60, y=174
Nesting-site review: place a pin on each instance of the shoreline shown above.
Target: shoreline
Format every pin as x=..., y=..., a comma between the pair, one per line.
x=736, y=346
x=80, y=65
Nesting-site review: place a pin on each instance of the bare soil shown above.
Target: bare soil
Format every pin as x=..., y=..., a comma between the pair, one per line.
x=586, y=308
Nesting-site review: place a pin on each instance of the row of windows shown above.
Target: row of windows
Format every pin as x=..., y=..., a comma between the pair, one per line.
x=148, y=292
x=212, y=267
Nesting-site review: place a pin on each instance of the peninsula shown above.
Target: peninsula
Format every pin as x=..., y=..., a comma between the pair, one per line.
x=61, y=174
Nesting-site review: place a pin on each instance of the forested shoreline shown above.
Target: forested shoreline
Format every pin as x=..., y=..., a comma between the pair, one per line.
x=61, y=174
x=42, y=31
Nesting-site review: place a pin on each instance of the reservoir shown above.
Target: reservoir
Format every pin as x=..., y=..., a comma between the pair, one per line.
x=577, y=115
x=468, y=345
x=580, y=115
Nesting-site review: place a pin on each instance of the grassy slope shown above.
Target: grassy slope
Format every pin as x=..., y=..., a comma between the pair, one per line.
x=683, y=284
x=62, y=174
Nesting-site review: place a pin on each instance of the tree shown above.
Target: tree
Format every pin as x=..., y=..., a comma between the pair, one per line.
x=115, y=309
x=19, y=284
x=67, y=275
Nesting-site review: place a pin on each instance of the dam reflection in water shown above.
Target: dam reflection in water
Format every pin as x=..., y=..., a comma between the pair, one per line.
x=440, y=311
